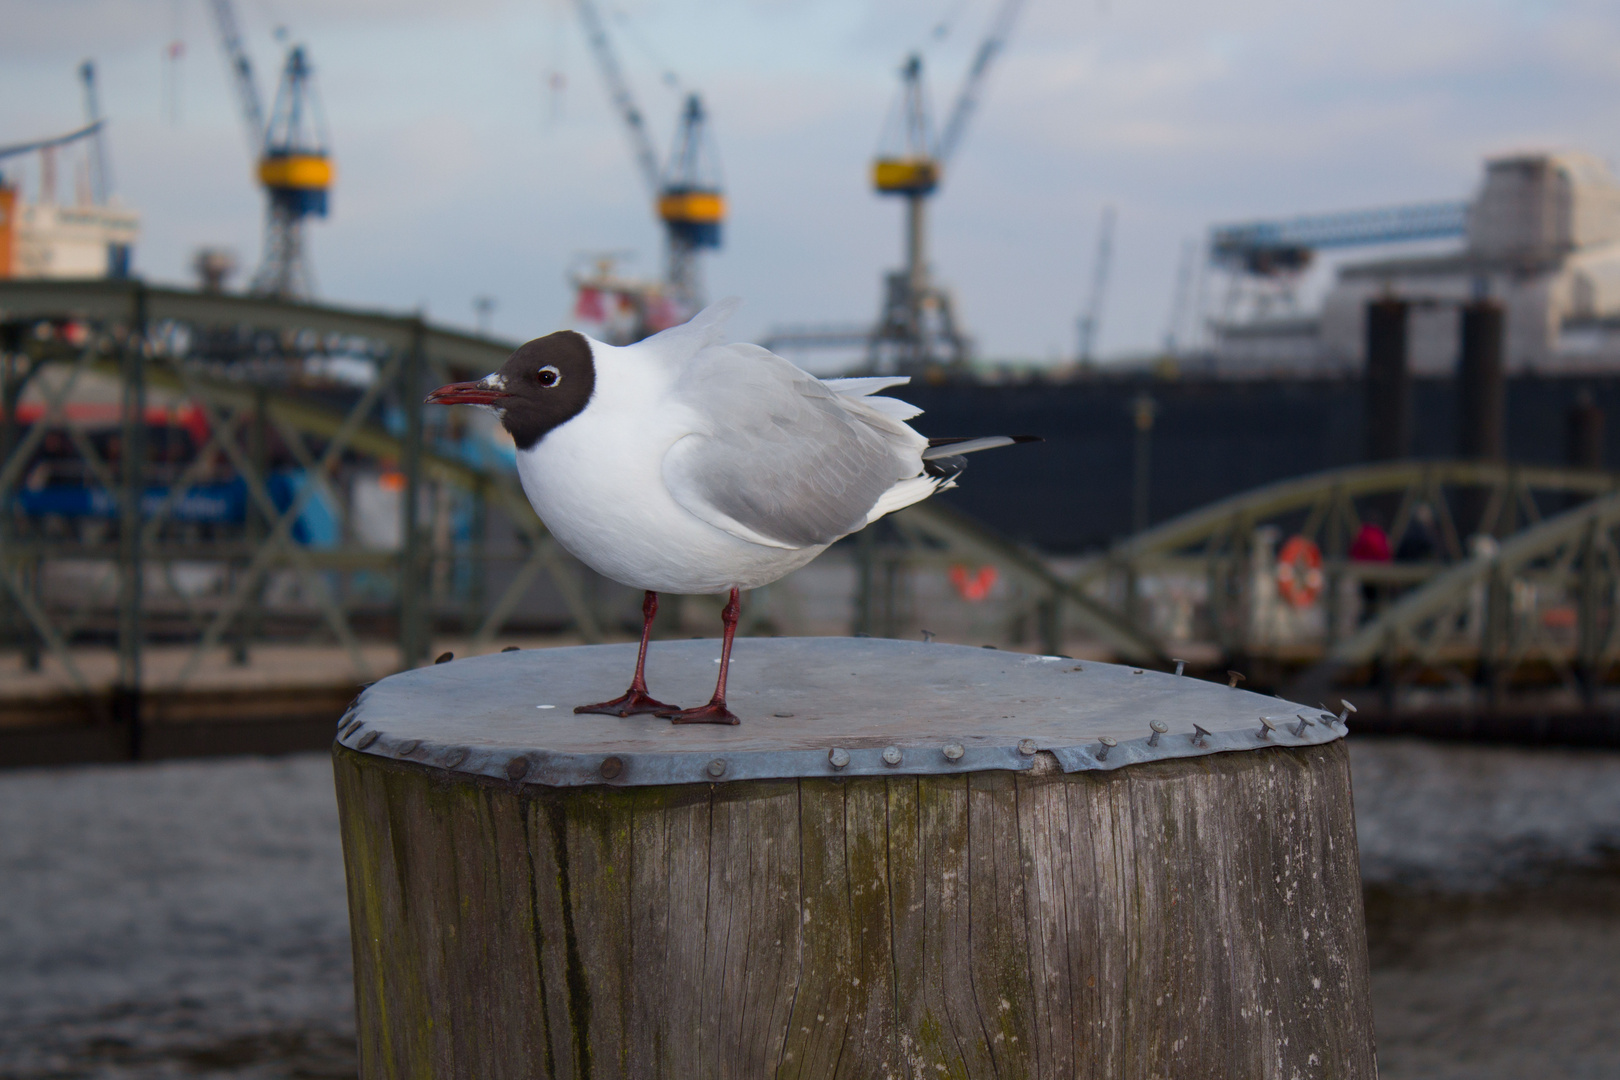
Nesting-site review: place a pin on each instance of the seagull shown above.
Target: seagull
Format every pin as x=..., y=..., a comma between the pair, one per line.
x=688, y=465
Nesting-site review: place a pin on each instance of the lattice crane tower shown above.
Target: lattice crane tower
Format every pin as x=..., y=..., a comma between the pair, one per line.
x=917, y=327
x=687, y=195
x=294, y=164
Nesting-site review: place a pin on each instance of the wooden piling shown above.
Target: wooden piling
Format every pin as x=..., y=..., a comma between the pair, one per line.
x=1181, y=916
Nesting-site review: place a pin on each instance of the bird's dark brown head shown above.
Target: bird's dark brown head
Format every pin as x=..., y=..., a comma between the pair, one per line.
x=543, y=385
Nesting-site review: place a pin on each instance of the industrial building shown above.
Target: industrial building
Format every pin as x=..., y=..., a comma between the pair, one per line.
x=1541, y=237
x=91, y=236
x=54, y=240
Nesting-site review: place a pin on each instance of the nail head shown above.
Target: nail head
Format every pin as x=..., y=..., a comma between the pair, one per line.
x=717, y=767
x=612, y=767
x=1026, y=747
x=954, y=751
x=445, y=658
x=891, y=755
x=366, y=740
x=838, y=757
x=517, y=768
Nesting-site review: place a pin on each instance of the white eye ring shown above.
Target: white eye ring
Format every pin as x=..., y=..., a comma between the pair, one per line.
x=556, y=376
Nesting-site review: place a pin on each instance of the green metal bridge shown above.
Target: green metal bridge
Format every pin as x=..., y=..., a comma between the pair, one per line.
x=1510, y=594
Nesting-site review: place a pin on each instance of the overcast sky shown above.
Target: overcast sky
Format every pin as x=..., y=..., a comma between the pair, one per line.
x=462, y=174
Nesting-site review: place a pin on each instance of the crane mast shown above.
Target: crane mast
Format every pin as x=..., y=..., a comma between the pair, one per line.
x=624, y=102
x=967, y=100
x=236, y=57
x=292, y=161
x=1091, y=321
x=917, y=327
x=100, y=171
x=687, y=196
x=297, y=173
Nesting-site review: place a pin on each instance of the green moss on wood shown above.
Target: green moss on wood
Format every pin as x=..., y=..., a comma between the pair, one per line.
x=1129, y=923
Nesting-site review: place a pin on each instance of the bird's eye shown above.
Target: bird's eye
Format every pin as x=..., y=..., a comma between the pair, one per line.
x=549, y=376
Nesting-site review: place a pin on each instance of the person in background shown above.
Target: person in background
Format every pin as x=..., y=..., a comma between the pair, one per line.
x=1421, y=541
x=1371, y=545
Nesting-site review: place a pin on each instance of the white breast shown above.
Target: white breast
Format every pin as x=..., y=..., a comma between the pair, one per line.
x=596, y=481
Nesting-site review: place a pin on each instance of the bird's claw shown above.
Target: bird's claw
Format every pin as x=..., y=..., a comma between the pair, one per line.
x=632, y=703
x=715, y=712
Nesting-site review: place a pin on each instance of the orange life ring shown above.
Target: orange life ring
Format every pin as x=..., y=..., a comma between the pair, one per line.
x=1299, y=571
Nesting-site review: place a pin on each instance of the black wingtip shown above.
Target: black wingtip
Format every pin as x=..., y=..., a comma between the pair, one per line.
x=1027, y=438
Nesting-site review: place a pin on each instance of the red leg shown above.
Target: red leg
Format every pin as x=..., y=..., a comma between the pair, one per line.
x=715, y=712
x=635, y=700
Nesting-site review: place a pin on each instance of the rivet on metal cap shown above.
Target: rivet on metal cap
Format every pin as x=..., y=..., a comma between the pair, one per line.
x=717, y=767
x=1181, y=665
x=1159, y=728
x=1344, y=716
x=1027, y=747
x=445, y=658
x=517, y=768
x=612, y=767
x=953, y=751
x=1136, y=671
x=1235, y=677
x=408, y=746
x=1299, y=728
x=367, y=739
x=891, y=755
x=1199, y=735
x=455, y=757
x=1108, y=743
x=1267, y=726
x=928, y=635
x=838, y=757
x=510, y=648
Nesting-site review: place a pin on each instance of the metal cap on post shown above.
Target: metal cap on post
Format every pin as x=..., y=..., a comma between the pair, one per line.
x=992, y=701
x=1388, y=381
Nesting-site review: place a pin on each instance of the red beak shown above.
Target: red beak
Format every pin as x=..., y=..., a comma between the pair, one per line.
x=466, y=393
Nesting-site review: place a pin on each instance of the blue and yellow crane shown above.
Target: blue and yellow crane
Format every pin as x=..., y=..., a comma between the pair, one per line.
x=292, y=159
x=917, y=328
x=687, y=193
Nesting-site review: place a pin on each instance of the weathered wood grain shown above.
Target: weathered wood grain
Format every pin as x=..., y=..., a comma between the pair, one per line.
x=1195, y=917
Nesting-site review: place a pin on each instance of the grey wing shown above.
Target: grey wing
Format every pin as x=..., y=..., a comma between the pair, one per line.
x=782, y=459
